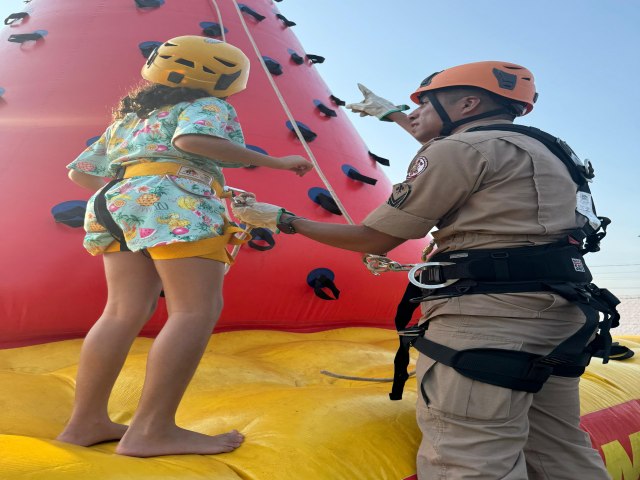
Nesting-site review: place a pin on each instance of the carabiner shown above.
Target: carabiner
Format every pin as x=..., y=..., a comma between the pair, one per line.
x=421, y=266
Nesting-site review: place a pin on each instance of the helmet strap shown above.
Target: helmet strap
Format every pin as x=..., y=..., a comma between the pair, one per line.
x=447, y=125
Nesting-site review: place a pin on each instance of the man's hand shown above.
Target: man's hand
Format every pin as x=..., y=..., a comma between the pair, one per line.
x=257, y=214
x=374, y=105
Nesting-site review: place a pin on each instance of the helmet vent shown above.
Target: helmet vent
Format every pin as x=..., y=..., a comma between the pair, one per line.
x=165, y=57
x=168, y=44
x=512, y=67
x=505, y=80
x=226, y=63
x=186, y=63
x=207, y=70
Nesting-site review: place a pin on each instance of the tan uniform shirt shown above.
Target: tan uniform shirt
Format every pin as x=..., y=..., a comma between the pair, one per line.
x=487, y=189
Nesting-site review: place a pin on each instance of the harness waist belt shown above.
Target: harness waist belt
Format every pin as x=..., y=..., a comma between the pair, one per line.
x=177, y=169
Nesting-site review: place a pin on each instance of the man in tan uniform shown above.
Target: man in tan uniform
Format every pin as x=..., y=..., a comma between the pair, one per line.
x=482, y=190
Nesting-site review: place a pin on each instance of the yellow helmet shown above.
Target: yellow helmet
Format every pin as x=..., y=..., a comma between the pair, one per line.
x=198, y=62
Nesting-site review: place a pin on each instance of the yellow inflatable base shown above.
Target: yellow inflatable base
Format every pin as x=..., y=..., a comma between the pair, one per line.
x=299, y=421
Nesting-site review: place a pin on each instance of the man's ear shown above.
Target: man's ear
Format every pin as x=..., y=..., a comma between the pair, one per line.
x=470, y=104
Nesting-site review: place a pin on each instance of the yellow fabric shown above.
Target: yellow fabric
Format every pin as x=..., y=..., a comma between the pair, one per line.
x=212, y=248
x=169, y=168
x=299, y=423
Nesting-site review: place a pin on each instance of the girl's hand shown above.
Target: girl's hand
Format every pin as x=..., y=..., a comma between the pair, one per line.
x=295, y=163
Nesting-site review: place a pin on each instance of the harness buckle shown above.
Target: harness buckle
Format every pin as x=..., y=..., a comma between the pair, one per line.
x=432, y=272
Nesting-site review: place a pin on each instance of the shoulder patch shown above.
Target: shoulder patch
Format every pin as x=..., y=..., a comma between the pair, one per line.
x=418, y=165
x=399, y=194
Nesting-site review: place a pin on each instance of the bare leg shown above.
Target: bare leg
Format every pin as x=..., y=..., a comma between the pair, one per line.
x=193, y=289
x=134, y=287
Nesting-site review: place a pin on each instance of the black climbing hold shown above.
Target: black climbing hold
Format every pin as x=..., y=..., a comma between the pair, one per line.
x=337, y=101
x=380, y=160
x=295, y=58
x=308, y=134
x=212, y=29
x=273, y=66
x=147, y=48
x=354, y=174
x=323, y=198
x=321, y=279
x=70, y=213
x=315, y=58
x=324, y=109
x=261, y=239
x=149, y=3
x=251, y=12
x=287, y=23
x=25, y=37
x=14, y=17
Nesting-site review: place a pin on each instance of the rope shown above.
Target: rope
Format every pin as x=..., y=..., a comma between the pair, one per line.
x=290, y=117
x=360, y=379
x=214, y=4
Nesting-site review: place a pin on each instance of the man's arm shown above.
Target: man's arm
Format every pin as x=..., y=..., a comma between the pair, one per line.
x=357, y=238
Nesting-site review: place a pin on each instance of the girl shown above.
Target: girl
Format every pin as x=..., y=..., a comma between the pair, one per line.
x=160, y=224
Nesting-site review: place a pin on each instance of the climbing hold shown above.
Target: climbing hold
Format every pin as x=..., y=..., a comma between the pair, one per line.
x=92, y=140
x=354, y=174
x=70, y=213
x=255, y=149
x=380, y=160
x=337, y=101
x=297, y=59
x=261, y=239
x=25, y=37
x=324, y=109
x=14, y=17
x=323, y=198
x=149, y=3
x=212, y=29
x=315, y=58
x=251, y=12
x=147, y=48
x=308, y=134
x=273, y=66
x=320, y=279
x=287, y=23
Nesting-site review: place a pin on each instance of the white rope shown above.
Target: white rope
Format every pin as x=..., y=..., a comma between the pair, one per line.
x=360, y=379
x=215, y=6
x=291, y=119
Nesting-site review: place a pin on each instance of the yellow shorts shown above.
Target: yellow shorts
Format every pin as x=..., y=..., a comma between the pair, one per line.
x=214, y=248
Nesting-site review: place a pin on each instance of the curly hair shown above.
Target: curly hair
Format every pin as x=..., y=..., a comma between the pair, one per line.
x=146, y=97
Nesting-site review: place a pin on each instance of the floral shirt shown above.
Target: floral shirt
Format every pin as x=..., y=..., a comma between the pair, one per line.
x=159, y=209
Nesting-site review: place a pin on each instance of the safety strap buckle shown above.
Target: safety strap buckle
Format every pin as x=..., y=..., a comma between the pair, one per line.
x=431, y=272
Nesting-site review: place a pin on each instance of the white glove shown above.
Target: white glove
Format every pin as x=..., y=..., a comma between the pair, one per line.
x=374, y=105
x=257, y=214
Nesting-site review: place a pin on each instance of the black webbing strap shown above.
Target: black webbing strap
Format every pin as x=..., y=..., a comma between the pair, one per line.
x=515, y=369
x=260, y=234
x=104, y=218
x=328, y=203
x=356, y=175
x=322, y=282
x=404, y=312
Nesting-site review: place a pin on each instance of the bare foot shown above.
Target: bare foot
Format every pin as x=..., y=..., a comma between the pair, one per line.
x=177, y=441
x=90, y=434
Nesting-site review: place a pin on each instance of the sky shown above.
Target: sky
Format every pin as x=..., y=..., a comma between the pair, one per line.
x=583, y=54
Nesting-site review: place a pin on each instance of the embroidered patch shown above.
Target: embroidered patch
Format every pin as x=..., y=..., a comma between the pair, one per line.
x=194, y=174
x=578, y=265
x=399, y=194
x=418, y=166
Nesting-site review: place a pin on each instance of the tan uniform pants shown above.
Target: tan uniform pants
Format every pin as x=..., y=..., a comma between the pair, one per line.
x=473, y=430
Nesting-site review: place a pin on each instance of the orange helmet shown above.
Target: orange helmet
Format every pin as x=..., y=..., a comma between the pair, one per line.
x=198, y=62
x=504, y=79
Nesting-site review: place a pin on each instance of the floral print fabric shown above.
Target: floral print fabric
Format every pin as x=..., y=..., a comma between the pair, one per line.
x=160, y=209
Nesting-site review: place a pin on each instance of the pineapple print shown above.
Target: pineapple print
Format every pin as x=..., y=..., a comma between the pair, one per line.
x=95, y=227
x=151, y=198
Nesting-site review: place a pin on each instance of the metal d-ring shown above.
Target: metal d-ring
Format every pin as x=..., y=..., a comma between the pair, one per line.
x=421, y=266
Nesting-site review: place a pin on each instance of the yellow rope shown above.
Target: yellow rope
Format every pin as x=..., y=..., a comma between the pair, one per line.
x=291, y=119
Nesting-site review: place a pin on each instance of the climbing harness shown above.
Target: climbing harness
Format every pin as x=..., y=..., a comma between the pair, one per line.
x=558, y=267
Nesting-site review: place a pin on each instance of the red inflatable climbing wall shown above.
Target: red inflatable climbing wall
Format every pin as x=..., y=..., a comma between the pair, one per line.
x=67, y=63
